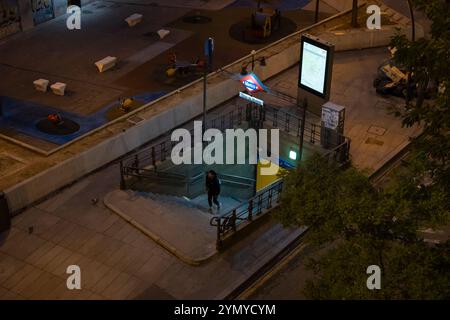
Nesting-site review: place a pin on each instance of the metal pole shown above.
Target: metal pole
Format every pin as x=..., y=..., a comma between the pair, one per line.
x=205, y=73
x=316, y=18
x=302, y=132
x=253, y=59
x=355, y=14
x=206, y=69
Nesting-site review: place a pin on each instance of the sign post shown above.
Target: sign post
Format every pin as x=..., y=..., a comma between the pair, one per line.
x=315, y=72
x=209, y=49
x=255, y=116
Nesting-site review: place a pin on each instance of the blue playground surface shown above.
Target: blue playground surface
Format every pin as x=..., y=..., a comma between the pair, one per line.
x=283, y=5
x=22, y=116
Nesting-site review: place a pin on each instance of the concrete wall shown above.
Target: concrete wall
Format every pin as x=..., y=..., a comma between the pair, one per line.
x=364, y=38
x=10, y=17
x=64, y=173
x=26, y=15
x=340, y=5
x=59, y=7
x=279, y=57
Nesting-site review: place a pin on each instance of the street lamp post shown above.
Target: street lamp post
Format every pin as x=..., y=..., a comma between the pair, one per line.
x=355, y=14
x=209, y=48
x=316, y=17
x=253, y=59
x=302, y=132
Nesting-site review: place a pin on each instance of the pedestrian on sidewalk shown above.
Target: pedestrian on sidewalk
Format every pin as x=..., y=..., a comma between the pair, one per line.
x=212, y=185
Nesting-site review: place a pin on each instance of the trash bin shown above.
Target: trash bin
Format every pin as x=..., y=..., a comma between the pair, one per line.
x=5, y=217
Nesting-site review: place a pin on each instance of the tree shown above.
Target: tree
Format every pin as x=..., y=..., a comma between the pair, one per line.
x=341, y=204
x=370, y=225
x=412, y=271
x=428, y=61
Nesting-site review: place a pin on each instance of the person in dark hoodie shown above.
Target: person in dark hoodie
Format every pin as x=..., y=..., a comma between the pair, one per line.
x=212, y=185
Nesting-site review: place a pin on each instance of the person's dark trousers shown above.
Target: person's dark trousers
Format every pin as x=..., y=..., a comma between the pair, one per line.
x=212, y=197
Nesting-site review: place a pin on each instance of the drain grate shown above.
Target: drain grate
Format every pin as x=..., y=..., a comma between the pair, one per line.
x=379, y=131
x=374, y=141
x=198, y=19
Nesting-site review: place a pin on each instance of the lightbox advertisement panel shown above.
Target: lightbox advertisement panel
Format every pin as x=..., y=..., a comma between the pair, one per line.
x=314, y=66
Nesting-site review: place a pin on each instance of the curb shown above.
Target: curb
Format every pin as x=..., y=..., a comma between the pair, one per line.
x=246, y=281
x=161, y=242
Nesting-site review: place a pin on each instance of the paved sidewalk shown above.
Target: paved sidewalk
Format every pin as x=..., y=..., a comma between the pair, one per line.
x=117, y=261
x=376, y=135
x=180, y=228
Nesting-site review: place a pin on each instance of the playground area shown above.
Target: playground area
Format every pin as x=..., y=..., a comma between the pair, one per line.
x=146, y=65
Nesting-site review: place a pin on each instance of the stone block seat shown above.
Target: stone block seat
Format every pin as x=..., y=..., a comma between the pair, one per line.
x=58, y=88
x=106, y=63
x=41, y=84
x=134, y=19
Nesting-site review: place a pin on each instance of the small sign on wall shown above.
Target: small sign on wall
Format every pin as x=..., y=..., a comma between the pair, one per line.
x=333, y=116
x=330, y=118
x=42, y=11
x=9, y=17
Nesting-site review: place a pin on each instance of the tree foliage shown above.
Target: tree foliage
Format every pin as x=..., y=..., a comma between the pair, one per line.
x=382, y=227
x=428, y=61
x=367, y=226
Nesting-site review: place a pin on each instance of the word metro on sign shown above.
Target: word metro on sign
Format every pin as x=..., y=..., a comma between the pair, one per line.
x=252, y=83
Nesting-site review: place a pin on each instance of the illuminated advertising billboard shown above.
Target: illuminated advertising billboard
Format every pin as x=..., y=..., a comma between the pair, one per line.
x=315, y=64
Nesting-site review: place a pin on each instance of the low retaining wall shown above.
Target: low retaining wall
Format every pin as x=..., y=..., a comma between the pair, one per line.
x=181, y=106
x=363, y=38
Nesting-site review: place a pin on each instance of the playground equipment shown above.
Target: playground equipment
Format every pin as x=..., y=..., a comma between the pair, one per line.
x=125, y=104
x=183, y=68
x=55, y=119
x=265, y=21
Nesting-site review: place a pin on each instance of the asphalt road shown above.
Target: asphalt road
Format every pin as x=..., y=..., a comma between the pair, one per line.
x=287, y=280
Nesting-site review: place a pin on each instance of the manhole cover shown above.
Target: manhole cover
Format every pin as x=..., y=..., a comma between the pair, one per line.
x=135, y=119
x=197, y=19
x=374, y=141
x=379, y=131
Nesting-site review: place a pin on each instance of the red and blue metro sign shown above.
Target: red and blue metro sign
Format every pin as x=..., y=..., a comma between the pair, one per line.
x=252, y=83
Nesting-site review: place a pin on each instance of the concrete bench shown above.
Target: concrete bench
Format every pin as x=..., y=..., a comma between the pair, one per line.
x=106, y=63
x=41, y=84
x=134, y=19
x=163, y=33
x=58, y=88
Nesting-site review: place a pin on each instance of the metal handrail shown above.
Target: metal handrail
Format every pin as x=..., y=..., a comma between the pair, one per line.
x=150, y=155
x=257, y=205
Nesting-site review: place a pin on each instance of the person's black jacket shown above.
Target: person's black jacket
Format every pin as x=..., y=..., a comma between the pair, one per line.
x=213, y=185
